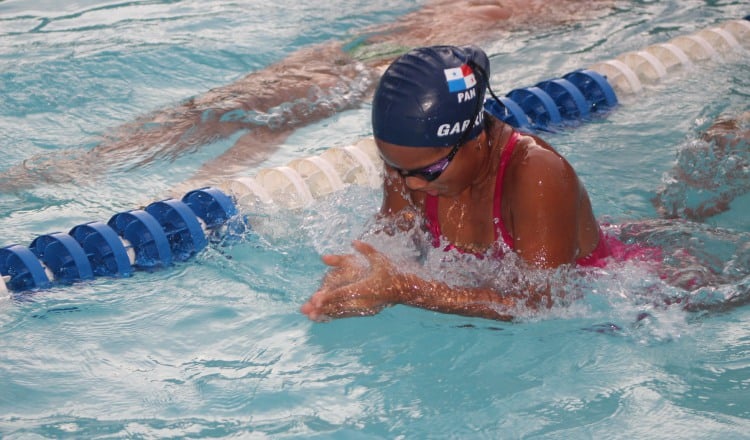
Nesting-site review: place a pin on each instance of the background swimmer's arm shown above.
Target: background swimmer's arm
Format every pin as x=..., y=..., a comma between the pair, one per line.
x=300, y=83
x=708, y=175
x=328, y=77
x=308, y=86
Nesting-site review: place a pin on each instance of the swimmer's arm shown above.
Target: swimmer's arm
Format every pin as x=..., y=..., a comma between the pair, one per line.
x=396, y=216
x=381, y=283
x=440, y=297
x=546, y=205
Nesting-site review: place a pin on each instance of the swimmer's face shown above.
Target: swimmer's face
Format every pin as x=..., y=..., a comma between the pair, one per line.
x=428, y=172
x=432, y=170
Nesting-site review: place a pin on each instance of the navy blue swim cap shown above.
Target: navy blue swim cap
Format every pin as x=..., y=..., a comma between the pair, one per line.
x=429, y=96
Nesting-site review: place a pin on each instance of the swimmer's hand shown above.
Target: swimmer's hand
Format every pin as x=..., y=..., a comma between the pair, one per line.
x=353, y=289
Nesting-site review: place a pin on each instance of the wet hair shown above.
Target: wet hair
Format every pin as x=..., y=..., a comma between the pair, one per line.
x=432, y=97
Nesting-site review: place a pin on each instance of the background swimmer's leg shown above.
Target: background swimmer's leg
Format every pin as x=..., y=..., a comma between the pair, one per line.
x=327, y=68
x=250, y=149
x=69, y=166
x=306, y=87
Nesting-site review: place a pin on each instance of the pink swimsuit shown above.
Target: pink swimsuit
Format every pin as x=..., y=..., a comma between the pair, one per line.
x=597, y=257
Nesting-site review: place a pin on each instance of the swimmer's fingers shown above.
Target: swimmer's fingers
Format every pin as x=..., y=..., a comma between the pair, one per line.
x=365, y=249
x=351, y=265
x=373, y=256
x=336, y=260
x=345, y=269
x=350, y=288
x=347, y=309
x=342, y=303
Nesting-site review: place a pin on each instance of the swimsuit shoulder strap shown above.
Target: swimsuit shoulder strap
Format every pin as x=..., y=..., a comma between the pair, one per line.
x=431, y=202
x=500, y=229
x=431, y=218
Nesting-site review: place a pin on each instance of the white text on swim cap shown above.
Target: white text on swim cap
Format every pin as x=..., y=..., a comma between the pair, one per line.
x=467, y=95
x=458, y=127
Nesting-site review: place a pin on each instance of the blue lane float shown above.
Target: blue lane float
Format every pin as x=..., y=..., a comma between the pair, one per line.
x=62, y=254
x=146, y=236
x=181, y=227
x=595, y=89
x=571, y=103
x=509, y=112
x=538, y=105
x=164, y=232
x=211, y=205
x=104, y=249
x=574, y=98
x=22, y=269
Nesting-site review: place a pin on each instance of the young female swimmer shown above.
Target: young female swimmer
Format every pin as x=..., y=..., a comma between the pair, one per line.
x=476, y=182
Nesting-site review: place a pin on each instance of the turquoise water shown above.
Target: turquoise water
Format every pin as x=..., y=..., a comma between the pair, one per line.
x=216, y=347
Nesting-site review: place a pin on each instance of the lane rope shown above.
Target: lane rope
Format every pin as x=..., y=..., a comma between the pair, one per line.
x=171, y=230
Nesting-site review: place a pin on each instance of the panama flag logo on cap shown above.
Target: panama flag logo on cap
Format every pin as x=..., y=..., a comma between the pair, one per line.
x=460, y=78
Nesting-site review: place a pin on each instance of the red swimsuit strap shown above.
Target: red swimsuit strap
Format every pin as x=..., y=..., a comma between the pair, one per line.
x=431, y=202
x=431, y=218
x=500, y=229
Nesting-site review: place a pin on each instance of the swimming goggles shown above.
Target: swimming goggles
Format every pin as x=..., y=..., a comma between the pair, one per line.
x=432, y=171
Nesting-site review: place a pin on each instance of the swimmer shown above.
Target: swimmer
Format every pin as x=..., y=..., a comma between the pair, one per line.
x=266, y=106
x=481, y=187
x=710, y=172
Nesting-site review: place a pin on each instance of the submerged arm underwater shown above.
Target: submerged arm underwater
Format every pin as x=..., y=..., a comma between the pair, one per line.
x=711, y=171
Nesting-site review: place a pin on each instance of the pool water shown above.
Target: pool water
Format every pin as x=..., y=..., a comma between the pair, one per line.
x=216, y=347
